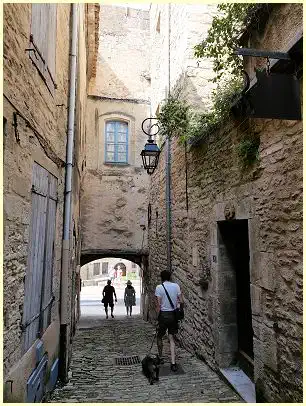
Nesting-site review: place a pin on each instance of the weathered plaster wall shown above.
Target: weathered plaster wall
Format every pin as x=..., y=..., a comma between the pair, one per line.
x=40, y=137
x=269, y=196
x=122, y=64
x=114, y=196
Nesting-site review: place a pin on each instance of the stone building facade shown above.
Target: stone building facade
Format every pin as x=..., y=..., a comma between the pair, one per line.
x=114, y=190
x=37, y=340
x=97, y=272
x=236, y=233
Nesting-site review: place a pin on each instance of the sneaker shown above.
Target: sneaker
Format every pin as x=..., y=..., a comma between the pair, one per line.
x=112, y=316
x=174, y=367
x=107, y=317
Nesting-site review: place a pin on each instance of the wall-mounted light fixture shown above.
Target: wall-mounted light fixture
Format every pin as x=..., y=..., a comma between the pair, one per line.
x=150, y=153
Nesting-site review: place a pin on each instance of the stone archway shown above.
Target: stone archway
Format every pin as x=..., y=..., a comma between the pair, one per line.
x=139, y=258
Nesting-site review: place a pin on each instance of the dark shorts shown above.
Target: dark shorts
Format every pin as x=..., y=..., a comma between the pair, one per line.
x=167, y=321
x=110, y=304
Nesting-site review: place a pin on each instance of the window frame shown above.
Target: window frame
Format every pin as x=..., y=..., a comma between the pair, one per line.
x=116, y=144
x=96, y=268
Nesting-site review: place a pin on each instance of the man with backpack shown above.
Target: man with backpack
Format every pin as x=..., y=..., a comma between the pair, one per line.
x=169, y=301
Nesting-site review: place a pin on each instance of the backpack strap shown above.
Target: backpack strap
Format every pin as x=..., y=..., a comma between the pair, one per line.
x=169, y=298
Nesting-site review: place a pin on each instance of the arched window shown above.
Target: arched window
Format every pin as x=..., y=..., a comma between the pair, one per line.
x=116, y=142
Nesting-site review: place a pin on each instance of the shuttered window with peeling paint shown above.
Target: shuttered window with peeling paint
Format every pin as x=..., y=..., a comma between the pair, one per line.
x=43, y=41
x=38, y=295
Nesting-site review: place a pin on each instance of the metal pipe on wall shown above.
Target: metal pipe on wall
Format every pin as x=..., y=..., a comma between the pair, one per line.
x=168, y=160
x=68, y=190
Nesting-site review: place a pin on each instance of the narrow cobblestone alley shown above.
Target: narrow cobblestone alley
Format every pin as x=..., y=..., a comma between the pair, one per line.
x=94, y=377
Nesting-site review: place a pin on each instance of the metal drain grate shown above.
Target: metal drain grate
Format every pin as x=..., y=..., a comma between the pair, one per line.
x=127, y=360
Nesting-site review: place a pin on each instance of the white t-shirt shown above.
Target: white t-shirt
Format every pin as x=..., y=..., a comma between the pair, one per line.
x=173, y=290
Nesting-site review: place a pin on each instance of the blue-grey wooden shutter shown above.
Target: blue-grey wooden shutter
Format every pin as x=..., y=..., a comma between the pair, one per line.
x=38, y=280
x=33, y=280
x=43, y=41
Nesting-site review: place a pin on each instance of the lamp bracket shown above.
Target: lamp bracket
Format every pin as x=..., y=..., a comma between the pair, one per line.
x=150, y=126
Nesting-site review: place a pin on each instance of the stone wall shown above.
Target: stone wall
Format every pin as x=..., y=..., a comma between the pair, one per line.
x=185, y=71
x=122, y=64
x=39, y=136
x=268, y=195
x=114, y=196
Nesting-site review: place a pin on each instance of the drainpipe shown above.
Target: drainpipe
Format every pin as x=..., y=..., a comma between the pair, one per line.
x=68, y=193
x=168, y=159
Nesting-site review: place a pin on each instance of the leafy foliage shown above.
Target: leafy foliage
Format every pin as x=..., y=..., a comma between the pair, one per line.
x=223, y=37
x=248, y=150
x=177, y=118
x=173, y=117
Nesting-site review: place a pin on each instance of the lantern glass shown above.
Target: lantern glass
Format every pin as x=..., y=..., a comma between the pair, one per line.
x=150, y=156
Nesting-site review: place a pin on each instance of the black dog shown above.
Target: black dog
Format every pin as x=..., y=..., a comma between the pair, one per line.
x=150, y=367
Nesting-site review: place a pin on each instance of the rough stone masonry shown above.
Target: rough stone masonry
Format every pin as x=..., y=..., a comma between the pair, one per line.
x=268, y=196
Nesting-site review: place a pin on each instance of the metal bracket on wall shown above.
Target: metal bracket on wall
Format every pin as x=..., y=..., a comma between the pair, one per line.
x=262, y=53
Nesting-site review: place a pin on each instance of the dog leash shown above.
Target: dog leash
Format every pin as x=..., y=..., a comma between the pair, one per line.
x=153, y=341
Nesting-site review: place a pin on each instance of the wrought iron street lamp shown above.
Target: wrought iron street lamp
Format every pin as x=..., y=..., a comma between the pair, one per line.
x=150, y=153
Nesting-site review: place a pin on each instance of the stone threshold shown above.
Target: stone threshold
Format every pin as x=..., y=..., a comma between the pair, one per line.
x=241, y=383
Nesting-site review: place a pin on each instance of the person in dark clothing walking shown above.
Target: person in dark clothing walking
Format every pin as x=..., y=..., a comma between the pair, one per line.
x=108, y=293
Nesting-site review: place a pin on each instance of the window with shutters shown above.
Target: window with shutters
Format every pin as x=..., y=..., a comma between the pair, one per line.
x=96, y=270
x=43, y=41
x=104, y=268
x=116, y=142
x=38, y=294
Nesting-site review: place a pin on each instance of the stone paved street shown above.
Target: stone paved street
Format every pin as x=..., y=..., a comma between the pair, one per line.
x=94, y=377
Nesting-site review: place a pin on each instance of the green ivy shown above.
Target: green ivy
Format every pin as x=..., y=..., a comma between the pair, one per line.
x=173, y=117
x=248, y=150
x=223, y=37
x=177, y=118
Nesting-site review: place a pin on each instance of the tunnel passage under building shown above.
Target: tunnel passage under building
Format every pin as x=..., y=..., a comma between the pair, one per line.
x=94, y=276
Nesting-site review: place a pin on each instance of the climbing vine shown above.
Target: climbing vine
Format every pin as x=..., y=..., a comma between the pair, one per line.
x=223, y=37
x=178, y=118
